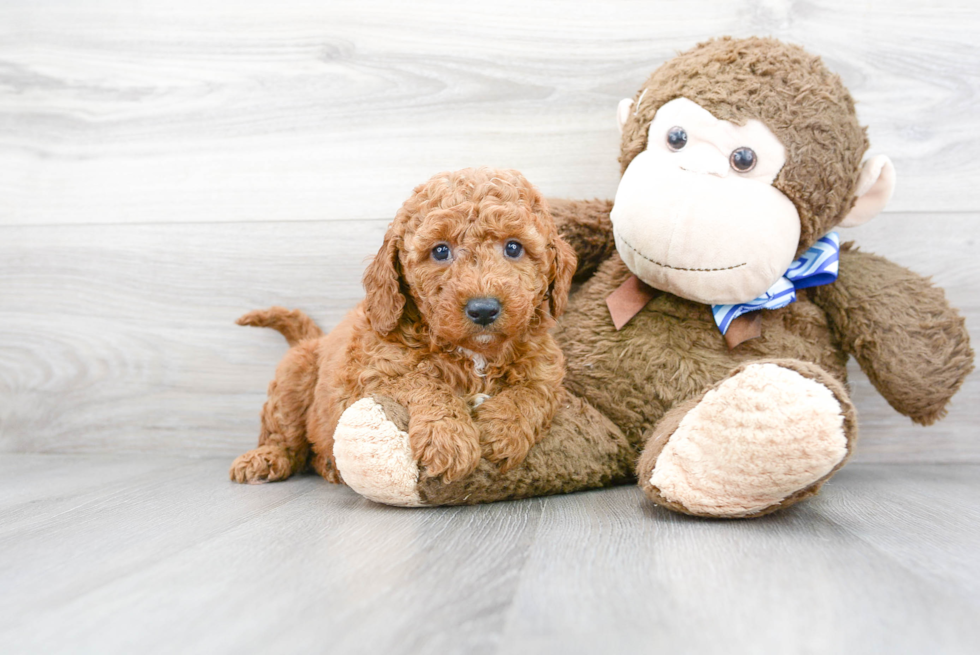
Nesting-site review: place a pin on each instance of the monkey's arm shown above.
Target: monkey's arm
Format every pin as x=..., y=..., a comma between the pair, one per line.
x=910, y=342
x=585, y=225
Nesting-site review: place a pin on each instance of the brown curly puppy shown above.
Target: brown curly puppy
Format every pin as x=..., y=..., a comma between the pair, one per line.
x=454, y=327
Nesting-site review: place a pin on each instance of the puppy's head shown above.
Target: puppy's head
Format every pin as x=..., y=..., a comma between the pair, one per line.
x=476, y=253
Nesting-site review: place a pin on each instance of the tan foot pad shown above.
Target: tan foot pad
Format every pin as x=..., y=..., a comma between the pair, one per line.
x=374, y=456
x=762, y=435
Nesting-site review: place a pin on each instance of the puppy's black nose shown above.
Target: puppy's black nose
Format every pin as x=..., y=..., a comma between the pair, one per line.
x=483, y=311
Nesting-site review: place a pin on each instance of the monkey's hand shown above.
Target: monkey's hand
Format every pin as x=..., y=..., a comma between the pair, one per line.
x=910, y=342
x=585, y=225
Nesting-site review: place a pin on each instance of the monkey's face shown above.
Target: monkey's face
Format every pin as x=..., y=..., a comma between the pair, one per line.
x=696, y=213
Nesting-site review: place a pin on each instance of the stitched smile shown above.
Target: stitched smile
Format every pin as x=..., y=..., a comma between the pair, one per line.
x=678, y=268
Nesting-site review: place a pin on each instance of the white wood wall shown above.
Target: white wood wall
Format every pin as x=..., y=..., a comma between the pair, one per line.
x=167, y=166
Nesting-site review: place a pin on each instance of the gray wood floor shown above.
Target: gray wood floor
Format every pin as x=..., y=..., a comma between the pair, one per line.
x=103, y=554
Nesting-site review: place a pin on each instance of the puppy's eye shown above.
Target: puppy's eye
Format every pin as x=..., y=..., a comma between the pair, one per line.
x=676, y=138
x=743, y=160
x=442, y=253
x=513, y=249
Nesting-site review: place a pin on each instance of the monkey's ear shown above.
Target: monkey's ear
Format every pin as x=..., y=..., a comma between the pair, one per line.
x=623, y=112
x=384, y=301
x=874, y=189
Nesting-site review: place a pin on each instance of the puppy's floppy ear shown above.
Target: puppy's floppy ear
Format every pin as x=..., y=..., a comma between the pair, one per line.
x=563, y=265
x=384, y=301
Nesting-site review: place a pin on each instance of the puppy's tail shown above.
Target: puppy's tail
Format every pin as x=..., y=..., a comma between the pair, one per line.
x=294, y=325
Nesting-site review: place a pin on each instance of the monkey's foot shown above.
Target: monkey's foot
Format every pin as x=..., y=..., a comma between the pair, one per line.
x=373, y=454
x=764, y=438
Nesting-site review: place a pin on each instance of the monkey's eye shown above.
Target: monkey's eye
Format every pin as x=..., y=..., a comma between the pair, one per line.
x=442, y=253
x=743, y=160
x=676, y=138
x=513, y=249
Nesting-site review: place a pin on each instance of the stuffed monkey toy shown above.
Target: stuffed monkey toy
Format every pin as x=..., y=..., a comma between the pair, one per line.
x=706, y=347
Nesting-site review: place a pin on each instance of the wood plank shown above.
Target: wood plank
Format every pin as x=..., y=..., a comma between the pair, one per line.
x=121, y=338
x=882, y=505
x=229, y=111
x=324, y=568
x=56, y=547
x=124, y=338
x=610, y=573
x=881, y=562
x=40, y=486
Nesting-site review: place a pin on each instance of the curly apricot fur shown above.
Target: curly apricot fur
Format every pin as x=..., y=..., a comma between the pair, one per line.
x=411, y=340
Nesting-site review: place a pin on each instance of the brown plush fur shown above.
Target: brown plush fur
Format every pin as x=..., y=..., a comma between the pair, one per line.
x=672, y=350
x=899, y=326
x=630, y=388
x=411, y=341
x=585, y=223
x=792, y=92
x=582, y=450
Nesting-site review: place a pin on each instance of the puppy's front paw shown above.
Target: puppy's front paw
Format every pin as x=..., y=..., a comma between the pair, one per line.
x=263, y=464
x=505, y=441
x=446, y=447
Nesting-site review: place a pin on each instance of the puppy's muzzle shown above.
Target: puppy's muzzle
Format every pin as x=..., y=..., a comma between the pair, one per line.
x=483, y=311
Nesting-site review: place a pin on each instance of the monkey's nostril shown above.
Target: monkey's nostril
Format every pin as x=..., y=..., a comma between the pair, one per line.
x=483, y=311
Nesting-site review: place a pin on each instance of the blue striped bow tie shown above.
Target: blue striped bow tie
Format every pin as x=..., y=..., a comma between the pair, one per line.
x=815, y=267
